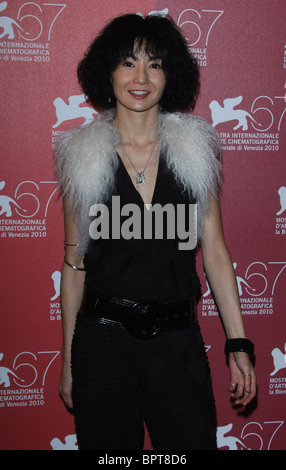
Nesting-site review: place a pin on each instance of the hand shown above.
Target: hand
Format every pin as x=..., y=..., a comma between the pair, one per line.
x=65, y=386
x=242, y=378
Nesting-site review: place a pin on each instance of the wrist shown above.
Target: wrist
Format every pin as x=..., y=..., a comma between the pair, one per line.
x=66, y=355
x=239, y=345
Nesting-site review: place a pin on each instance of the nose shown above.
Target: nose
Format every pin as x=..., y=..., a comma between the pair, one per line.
x=141, y=75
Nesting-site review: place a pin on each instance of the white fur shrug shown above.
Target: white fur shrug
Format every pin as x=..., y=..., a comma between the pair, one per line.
x=86, y=162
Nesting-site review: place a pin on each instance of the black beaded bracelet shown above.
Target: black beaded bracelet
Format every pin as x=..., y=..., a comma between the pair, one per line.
x=239, y=345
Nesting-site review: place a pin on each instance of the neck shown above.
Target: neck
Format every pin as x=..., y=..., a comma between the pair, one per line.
x=136, y=128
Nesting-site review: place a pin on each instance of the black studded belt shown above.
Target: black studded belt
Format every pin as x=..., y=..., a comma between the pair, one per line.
x=144, y=318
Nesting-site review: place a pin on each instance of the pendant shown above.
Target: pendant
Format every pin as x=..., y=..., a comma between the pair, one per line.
x=140, y=178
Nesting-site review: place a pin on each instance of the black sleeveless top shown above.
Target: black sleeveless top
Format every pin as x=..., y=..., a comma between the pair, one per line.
x=134, y=268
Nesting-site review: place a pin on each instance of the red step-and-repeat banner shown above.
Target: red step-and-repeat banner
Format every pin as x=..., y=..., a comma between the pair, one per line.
x=241, y=47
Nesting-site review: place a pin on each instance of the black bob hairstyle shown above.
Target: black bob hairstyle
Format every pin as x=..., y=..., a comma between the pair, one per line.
x=160, y=38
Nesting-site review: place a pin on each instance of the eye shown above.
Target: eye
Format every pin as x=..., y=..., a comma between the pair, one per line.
x=127, y=63
x=156, y=65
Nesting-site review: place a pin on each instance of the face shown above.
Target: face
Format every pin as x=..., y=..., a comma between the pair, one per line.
x=138, y=82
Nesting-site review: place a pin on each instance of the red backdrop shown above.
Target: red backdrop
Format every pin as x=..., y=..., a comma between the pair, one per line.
x=242, y=51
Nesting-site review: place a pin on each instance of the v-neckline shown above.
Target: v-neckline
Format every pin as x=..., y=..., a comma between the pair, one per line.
x=147, y=205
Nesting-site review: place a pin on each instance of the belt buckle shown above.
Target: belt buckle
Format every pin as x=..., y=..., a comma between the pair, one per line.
x=143, y=319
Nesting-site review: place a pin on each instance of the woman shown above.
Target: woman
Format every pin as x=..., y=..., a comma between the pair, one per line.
x=137, y=352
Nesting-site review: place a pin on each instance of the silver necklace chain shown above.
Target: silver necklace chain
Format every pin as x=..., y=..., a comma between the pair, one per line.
x=140, y=177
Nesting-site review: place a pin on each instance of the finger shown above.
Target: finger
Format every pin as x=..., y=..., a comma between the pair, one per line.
x=232, y=387
x=247, y=382
x=239, y=392
x=248, y=391
x=251, y=393
x=68, y=401
x=67, y=398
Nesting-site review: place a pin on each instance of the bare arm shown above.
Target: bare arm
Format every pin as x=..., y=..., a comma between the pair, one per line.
x=221, y=277
x=72, y=291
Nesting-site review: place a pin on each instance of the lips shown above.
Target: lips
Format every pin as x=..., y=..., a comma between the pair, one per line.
x=139, y=94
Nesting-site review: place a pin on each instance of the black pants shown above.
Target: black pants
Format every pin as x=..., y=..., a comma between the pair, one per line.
x=119, y=380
